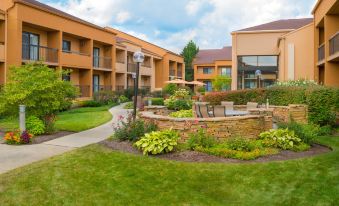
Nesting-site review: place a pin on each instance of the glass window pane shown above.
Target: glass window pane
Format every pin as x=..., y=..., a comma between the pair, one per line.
x=249, y=60
x=267, y=61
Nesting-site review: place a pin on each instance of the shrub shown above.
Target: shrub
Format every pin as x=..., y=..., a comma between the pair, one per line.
x=131, y=130
x=91, y=103
x=158, y=142
x=16, y=138
x=306, y=132
x=182, y=114
x=280, y=138
x=38, y=87
x=178, y=104
x=170, y=89
x=157, y=101
x=201, y=139
x=240, y=144
x=157, y=94
x=202, y=90
x=123, y=99
x=129, y=105
x=105, y=97
x=235, y=154
x=323, y=102
x=35, y=125
x=300, y=82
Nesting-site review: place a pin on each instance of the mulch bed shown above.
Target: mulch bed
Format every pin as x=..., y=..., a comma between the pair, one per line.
x=193, y=156
x=42, y=138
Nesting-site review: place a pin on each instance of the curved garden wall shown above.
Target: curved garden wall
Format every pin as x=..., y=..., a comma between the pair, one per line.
x=249, y=126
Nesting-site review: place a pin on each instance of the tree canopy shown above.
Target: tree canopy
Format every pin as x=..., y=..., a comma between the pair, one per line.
x=189, y=52
x=38, y=87
x=220, y=83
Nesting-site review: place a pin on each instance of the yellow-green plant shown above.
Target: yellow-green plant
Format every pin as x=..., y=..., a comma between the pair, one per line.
x=158, y=142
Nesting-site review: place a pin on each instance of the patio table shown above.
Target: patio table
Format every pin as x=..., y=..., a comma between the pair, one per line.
x=235, y=113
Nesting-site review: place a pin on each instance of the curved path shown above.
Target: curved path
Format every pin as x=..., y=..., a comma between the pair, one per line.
x=12, y=157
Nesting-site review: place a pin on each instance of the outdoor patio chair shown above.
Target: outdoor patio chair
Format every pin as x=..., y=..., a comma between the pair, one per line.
x=251, y=105
x=228, y=105
x=219, y=111
x=203, y=109
x=197, y=108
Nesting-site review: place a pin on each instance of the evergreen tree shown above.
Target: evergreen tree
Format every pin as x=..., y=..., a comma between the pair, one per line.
x=189, y=52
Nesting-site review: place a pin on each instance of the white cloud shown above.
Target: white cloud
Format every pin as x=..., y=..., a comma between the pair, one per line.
x=172, y=25
x=122, y=17
x=193, y=6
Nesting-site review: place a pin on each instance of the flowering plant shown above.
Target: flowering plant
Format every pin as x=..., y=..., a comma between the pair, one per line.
x=16, y=138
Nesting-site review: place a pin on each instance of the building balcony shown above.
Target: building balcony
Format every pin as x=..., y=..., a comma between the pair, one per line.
x=39, y=53
x=146, y=88
x=97, y=88
x=321, y=54
x=2, y=52
x=119, y=88
x=76, y=59
x=131, y=68
x=146, y=71
x=334, y=47
x=102, y=63
x=84, y=90
x=172, y=72
x=120, y=67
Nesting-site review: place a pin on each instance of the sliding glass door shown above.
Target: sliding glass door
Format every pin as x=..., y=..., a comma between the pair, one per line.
x=30, y=46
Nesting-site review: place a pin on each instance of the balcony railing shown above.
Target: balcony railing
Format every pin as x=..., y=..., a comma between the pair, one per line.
x=102, y=62
x=131, y=67
x=39, y=53
x=84, y=90
x=146, y=64
x=97, y=88
x=172, y=72
x=179, y=73
x=119, y=88
x=334, y=44
x=321, y=53
x=121, y=61
x=146, y=88
x=76, y=52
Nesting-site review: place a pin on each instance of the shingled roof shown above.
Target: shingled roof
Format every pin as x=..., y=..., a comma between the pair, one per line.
x=209, y=56
x=284, y=24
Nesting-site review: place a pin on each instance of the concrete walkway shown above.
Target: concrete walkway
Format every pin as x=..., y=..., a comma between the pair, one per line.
x=12, y=157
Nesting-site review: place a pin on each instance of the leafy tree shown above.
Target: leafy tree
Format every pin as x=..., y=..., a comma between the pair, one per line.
x=170, y=89
x=189, y=52
x=38, y=87
x=220, y=83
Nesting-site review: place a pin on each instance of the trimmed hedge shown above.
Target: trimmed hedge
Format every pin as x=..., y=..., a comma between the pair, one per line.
x=157, y=101
x=323, y=102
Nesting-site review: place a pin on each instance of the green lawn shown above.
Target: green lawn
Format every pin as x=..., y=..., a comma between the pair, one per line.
x=74, y=120
x=97, y=176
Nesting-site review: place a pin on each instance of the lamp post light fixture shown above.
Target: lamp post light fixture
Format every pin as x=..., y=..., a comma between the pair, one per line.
x=258, y=74
x=138, y=57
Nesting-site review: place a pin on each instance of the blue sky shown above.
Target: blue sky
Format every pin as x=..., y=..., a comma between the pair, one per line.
x=171, y=24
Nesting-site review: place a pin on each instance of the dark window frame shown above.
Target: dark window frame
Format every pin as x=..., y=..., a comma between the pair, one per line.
x=67, y=42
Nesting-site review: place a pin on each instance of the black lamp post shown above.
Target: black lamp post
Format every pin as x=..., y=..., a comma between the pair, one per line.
x=138, y=57
x=258, y=75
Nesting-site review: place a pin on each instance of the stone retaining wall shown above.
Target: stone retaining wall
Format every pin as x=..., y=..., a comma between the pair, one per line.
x=249, y=126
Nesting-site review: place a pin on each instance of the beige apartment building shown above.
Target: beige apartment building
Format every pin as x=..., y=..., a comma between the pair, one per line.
x=160, y=64
x=326, y=38
x=211, y=63
x=99, y=58
x=280, y=50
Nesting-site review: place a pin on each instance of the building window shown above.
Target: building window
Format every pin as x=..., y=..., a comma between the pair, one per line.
x=207, y=70
x=208, y=86
x=226, y=71
x=30, y=46
x=96, y=57
x=248, y=65
x=66, y=45
x=66, y=77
